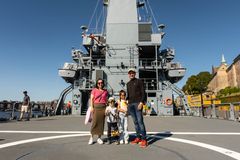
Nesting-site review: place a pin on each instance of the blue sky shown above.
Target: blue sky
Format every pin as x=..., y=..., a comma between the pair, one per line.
x=36, y=37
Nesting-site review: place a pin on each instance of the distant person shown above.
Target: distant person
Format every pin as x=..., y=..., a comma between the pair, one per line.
x=123, y=117
x=69, y=106
x=49, y=110
x=136, y=98
x=98, y=101
x=112, y=119
x=25, y=106
x=53, y=106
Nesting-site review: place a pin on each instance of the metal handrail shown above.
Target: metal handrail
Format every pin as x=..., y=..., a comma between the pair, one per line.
x=227, y=111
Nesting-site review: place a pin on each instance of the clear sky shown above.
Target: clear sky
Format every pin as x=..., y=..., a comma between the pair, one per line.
x=36, y=37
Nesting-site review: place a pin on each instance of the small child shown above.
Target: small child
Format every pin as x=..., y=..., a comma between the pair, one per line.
x=112, y=118
x=123, y=117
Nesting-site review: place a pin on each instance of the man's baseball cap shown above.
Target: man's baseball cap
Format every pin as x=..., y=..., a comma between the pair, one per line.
x=131, y=70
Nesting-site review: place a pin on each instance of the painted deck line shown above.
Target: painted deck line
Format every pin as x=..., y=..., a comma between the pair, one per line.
x=224, y=151
x=221, y=150
x=195, y=133
x=51, y=132
x=131, y=132
x=39, y=139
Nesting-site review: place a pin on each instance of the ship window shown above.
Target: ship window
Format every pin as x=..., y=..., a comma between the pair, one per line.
x=151, y=94
x=173, y=65
x=76, y=83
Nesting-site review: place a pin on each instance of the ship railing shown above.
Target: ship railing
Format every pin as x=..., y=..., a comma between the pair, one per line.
x=226, y=111
x=142, y=19
x=83, y=60
x=93, y=62
x=10, y=110
x=150, y=83
x=148, y=62
x=96, y=31
x=99, y=62
x=88, y=84
x=84, y=83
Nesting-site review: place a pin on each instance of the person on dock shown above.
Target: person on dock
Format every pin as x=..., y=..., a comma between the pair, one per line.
x=26, y=107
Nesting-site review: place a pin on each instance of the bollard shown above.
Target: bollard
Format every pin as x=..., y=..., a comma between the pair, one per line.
x=12, y=115
x=232, y=116
x=213, y=111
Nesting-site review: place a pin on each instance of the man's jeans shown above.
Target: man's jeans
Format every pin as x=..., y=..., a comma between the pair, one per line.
x=137, y=117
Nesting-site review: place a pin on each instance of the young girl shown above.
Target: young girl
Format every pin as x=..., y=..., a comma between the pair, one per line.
x=112, y=117
x=123, y=119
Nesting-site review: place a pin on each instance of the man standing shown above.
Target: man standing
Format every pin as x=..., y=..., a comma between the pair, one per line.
x=69, y=106
x=25, y=106
x=136, y=98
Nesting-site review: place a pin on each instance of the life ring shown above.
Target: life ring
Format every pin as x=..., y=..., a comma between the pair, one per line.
x=168, y=101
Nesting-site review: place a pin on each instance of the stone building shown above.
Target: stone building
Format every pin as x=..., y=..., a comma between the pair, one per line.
x=225, y=76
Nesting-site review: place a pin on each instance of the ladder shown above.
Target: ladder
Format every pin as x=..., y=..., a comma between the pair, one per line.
x=181, y=95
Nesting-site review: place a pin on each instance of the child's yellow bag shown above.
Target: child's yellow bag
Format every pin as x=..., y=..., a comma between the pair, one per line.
x=114, y=133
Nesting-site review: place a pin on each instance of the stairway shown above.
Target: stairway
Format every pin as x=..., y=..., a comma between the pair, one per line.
x=61, y=99
x=181, y=95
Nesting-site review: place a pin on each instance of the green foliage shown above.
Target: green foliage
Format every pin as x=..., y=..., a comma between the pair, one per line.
x=197, y=84
x=230, y=98
x=228, y=91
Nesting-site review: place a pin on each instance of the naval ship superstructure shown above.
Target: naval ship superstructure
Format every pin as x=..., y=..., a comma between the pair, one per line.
x=127, y=40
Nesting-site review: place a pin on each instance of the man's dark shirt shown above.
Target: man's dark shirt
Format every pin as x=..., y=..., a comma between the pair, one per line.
x=26, y=100
x=135, y=91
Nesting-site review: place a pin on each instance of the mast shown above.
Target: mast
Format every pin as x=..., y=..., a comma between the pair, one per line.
x=121, y=29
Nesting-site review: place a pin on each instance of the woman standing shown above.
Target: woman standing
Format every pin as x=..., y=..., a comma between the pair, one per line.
x=98, y=101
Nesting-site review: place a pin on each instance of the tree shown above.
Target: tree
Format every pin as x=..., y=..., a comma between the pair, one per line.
x=228, y=90
x=190, y=85
x=197, y=84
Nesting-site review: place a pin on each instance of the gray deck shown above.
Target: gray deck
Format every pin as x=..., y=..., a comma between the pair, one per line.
x=170, y=138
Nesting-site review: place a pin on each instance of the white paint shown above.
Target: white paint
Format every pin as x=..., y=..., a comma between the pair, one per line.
x=227, y=152
x=162, y=133
x=51, y=132
x=221, y=150
x=39, y=139
x=196, y=133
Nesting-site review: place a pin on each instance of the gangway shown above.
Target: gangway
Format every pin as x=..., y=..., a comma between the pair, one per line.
x=62, y=98
x=181, y=95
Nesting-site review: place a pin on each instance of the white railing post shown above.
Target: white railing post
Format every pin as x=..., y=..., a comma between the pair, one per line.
x=232, y=116
x=213, y=112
